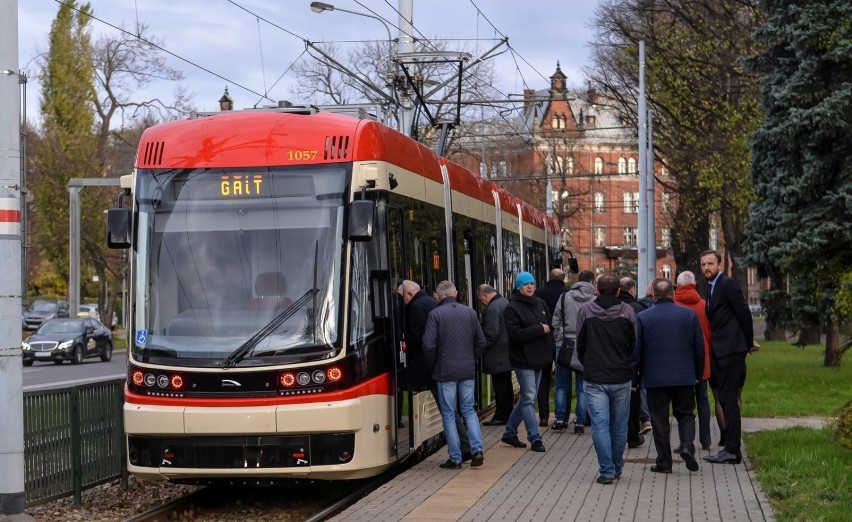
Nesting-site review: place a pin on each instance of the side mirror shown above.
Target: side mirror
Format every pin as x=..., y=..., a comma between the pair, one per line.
x=361, y=220
x=118, y=228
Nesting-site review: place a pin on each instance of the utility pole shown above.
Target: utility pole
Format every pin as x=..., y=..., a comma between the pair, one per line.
x=11, y=371
x=651, y=234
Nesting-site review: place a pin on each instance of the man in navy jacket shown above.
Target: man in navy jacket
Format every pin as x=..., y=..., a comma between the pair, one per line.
x=452, y=343
x=731, y=339
x=670, y=350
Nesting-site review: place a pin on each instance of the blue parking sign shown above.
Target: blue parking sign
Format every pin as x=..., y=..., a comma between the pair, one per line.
x=141, y=338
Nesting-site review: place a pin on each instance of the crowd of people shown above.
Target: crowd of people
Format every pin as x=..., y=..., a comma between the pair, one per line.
x=633, y=362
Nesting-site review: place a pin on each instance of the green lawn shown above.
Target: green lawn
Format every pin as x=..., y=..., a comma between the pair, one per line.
x=806, y=475
x=804, y=472
x=787, y=381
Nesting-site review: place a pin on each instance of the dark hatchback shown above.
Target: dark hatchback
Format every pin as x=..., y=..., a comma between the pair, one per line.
x=68, y=339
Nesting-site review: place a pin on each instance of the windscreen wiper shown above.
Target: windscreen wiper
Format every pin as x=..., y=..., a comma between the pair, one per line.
x=244, y=349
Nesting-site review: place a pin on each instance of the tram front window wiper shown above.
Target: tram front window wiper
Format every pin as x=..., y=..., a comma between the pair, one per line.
x=245, y=349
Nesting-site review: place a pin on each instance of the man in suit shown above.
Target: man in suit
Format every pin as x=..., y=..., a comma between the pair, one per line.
x=731, y=339
x=670, y=349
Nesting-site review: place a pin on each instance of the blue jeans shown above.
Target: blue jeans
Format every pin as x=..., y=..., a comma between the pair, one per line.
x=609, y=407
x=524, y=410
x=562, y=397
x=581, y=414
x=462, y=391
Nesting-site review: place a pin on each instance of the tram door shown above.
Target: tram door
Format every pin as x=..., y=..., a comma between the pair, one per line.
x=404, y=404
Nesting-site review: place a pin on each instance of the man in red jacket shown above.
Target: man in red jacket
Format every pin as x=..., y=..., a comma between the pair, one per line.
x=686, y=295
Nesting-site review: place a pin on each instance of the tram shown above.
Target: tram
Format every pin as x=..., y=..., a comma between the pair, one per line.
x=265, y=249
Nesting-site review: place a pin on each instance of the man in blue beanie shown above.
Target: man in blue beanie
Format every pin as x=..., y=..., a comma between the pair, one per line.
x=531, y=349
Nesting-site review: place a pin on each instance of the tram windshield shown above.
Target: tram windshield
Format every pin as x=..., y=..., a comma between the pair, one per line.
x=233, y=258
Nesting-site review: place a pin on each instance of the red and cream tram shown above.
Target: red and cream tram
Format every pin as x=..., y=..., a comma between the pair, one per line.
x=266, y=245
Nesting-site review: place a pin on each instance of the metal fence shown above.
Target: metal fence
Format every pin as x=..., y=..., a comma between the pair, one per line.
x=73, y=440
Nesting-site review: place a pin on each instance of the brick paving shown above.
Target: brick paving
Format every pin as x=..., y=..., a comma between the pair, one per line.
x=518, y=484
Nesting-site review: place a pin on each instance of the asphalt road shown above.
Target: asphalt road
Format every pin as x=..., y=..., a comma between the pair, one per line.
x=46, y=375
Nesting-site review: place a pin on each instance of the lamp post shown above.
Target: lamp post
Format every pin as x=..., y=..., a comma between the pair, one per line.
x=319, y=7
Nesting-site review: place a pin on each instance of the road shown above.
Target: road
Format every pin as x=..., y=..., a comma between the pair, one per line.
x=46, y=375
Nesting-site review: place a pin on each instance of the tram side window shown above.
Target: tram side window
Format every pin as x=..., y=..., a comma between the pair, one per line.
x=361, y=318
x=487, y=253
x=511, y=259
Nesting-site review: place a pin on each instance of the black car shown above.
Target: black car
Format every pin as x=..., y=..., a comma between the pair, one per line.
x=68, y=339
x=42, y=310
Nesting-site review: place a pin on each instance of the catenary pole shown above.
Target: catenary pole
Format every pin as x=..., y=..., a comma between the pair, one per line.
x=642, y=225
x=11, y=372
x=403, y=46
x=650, y=202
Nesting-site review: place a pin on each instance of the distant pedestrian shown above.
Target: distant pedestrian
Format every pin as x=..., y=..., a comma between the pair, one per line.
x=605, y=344
x=638, y=424
x=686, y=295
x=565, y=335
x=495, y=360
x=452, y=343
x=550, y=294
x=670, y=362
x=731, y=339
x=531, y=350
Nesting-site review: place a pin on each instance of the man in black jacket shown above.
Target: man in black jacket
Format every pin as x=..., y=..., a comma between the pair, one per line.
x=495, y=360
x=550, y=294
x=452, y=343
x=731, y=339
x=605, y=344
x=531, y=349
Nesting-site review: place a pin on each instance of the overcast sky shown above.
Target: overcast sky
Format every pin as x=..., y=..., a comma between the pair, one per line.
x=226, y=38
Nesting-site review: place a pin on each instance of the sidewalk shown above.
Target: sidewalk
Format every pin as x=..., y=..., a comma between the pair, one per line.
x=517, y=484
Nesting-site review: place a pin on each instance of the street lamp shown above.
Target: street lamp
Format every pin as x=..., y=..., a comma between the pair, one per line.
x=319, y=7
x=226, y=103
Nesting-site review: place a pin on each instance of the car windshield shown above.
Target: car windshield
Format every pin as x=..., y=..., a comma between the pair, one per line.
x=44, y=306
x=59, y=326
x=221, y=253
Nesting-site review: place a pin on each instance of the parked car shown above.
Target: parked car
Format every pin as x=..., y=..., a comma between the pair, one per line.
x=91, y=310
x=42, y=310
x=68, y=339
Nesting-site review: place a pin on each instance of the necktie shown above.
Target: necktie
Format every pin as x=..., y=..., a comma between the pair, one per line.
x=709, y=294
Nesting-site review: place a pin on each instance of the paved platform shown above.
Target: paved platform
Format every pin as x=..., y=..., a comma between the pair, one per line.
x=518, y=484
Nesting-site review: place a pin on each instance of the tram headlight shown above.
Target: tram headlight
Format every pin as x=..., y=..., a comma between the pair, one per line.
x=163, y=381
x=318, y=377
x=150, y=379
x=287, y=379
x=304, y=378
x=334, y=374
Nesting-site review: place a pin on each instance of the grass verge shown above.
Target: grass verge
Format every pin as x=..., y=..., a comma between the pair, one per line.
x=805, y=474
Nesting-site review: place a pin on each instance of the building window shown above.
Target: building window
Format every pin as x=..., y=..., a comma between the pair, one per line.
x=600, y=236
x=600, y=202
x=558, y=121
x=570, y=165
x=598, y=165
x=631, y=166
x=629, y=236
x=631, y=202
x=665, y=201
x=664, y=172
x=622, y=166
x=666, y=237
x=667, y=272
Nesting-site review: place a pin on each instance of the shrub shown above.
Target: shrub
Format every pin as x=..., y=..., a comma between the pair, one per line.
x=841, y=425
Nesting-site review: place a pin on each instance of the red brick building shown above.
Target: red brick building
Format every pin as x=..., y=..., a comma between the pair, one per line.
x=579, y=142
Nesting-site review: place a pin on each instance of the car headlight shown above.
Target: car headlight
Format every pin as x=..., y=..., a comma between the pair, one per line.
x=25, y=346
x=66, y=345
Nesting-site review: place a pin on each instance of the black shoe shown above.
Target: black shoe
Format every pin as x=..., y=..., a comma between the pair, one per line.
x=537, y=446
x=678, y=450
x=691, y=463
x=494, y=422
x=604, y=480
x=542, y=423
x=477, y=460
x=450, y=465
x=466, y=456
x=705, y=446
x=617, y=475
x=724, y=457
x=646, y=427
x=579, y=429
x=658, y=469
x=636, y=443
x=513, y=441
x=558, y=426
